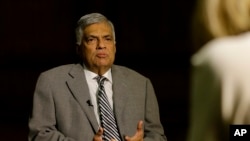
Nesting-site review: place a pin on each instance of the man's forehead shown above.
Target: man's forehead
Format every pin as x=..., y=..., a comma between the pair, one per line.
x=97, y=31
x=98, y=26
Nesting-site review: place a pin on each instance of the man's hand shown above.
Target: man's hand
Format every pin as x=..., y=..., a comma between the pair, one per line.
x=98, y=135
x=138, y=135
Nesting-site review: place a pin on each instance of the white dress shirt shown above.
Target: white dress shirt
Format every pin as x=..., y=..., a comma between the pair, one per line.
x=93, y=86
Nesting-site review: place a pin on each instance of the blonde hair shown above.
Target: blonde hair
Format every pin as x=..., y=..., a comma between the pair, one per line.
x=218, y=18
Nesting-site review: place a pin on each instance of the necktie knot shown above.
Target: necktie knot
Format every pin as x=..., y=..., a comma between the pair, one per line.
x=100, y=80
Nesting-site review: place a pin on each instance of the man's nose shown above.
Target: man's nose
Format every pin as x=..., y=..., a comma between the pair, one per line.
x=101, y=44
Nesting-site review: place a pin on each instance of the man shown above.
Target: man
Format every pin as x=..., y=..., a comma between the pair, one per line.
x=66, y=99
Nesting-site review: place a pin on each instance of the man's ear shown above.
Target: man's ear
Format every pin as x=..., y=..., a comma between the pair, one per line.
x=115, y=46
x=79, y=51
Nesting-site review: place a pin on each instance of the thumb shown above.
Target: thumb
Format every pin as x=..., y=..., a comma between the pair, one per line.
x=127, y=138
x=100, y=131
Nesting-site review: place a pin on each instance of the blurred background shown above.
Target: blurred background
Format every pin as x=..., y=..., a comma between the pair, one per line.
x=152, y=38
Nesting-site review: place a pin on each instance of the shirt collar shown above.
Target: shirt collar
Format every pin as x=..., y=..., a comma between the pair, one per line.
x=91, y=75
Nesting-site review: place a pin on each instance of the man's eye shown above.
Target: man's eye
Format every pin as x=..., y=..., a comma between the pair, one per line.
x=108, y=39
x=91, y=40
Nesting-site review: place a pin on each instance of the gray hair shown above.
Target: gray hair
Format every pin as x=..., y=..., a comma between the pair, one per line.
x=87, y=20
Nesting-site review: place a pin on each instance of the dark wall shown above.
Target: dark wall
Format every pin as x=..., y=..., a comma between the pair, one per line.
x=152, y=38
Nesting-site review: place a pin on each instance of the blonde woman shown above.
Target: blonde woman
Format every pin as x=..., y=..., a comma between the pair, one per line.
x=220, y=69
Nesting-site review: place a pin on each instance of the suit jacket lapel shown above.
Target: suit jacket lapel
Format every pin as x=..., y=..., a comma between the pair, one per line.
x=119, y=95
x=79, y=88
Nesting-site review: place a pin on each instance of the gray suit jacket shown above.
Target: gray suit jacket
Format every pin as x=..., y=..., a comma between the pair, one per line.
x=61, y=111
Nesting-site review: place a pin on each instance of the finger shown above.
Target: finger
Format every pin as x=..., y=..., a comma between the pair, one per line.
x=127, y=138
x=139, y=133
x=100, y=131
x=140, y=125
x=98, y=135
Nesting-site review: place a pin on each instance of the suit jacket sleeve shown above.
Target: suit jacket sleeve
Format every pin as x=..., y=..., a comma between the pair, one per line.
x=42, y=123
x=153, y=129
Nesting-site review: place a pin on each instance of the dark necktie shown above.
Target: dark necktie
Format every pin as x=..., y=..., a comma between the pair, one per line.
x=108, y=121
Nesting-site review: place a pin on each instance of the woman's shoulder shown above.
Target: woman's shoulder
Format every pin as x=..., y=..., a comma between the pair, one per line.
x=227, y=48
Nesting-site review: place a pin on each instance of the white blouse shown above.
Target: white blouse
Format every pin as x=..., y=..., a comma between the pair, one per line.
x=220, y=87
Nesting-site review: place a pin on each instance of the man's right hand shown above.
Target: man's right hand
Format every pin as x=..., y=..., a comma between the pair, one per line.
x=98, y=135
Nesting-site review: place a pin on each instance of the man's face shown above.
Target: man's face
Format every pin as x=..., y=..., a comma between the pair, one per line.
x=98, y=46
